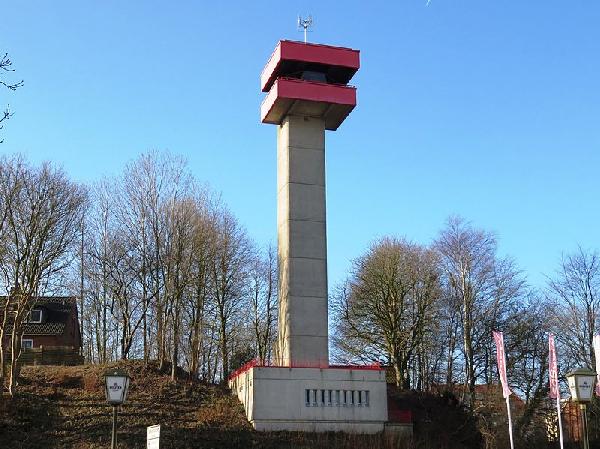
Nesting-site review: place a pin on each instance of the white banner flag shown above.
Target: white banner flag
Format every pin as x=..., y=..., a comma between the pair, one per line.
x=596, y=343
x=552, y=368
x=501, y=359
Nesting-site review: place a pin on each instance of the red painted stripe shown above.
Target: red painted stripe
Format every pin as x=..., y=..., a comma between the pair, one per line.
x=290, y=88
x=321, y=54
x=310, y=90
x=256, y=364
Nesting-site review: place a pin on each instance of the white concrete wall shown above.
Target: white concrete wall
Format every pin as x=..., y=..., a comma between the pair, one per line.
x=275, y=399
x=241, y=386
x=302, y=242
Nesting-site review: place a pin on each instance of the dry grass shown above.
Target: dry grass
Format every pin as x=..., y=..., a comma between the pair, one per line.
x=64, y=407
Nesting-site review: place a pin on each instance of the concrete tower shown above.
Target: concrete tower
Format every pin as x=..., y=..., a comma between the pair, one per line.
x=307, y=94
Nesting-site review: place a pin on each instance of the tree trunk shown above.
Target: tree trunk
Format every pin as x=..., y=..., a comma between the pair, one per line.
x=15, y=352
x=224, y=353
x=469, y=368
x=397, y=364
x=175, y=354
x=2, y=367
x=450, y=360
x=160, y=336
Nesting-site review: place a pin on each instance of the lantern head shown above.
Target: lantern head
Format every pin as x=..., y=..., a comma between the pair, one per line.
x=581, y=383
x=117, y=386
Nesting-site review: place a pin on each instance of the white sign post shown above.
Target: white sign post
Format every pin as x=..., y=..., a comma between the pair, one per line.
x=153, y=437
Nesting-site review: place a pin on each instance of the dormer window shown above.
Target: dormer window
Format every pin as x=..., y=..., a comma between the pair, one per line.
x=35, y=316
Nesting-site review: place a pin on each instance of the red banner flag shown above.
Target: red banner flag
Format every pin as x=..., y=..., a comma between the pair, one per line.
x=501, y=358
x=552, y=368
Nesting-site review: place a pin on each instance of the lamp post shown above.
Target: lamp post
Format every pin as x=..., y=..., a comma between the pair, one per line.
x=117, y=385
x=581, y=383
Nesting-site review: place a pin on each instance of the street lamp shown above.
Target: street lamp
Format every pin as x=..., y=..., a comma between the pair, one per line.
x=581, y=383
x=117, y=385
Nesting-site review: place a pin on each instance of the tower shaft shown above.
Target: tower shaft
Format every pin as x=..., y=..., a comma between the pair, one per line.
x=302, y=242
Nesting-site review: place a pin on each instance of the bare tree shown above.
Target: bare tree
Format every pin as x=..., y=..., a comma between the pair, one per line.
x=10, y=190
x=42, y=223
x=183, y=225
x=141, y=243
x=479, y=285
x=388, y=305
x=197, y=302
x=527, y=360
x=101, y=224
x=164, y=258
x=134, y=215
x=263, y=285
x=229, y=270
x=153, y=182
x=575, y=292
x=127, y=307
x=6, y=66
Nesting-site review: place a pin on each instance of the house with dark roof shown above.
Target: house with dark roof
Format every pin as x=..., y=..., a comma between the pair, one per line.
x=51, y=333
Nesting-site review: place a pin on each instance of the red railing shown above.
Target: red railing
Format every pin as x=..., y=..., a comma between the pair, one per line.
x=258, y=364
x=242, y=369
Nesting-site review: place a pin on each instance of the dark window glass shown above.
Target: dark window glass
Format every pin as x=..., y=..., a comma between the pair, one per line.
x=35, y=316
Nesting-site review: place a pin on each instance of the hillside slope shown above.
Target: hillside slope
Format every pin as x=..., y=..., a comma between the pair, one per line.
x=64, y=407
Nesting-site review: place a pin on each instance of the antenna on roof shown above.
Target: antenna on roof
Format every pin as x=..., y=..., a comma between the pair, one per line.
x=305, y=24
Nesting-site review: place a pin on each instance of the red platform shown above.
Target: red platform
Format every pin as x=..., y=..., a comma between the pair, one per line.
x=309, y=80
x=292, y=96
x=339, y=63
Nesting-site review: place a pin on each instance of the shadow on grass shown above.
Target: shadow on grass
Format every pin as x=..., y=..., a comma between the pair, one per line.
x=26, y=421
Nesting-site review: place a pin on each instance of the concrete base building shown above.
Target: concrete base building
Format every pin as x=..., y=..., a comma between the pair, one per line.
x=352, y=400
x=307, y=93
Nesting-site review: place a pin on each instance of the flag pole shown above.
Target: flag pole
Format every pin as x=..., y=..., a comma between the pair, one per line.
x=554, y=387
x=501, y=359
x=510, y=432
x=560, y=433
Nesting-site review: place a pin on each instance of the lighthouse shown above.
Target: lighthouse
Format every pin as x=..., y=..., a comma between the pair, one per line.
x=307, y=94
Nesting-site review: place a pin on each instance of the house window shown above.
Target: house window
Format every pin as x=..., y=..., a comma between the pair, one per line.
x=329, y=398
x=314, y=398
x=307, y=392
x=35, y=316
x=352, y=396
x=360, y=398
x=345, y=394
x=366, y=398
x=27, y=343
x=322, y=398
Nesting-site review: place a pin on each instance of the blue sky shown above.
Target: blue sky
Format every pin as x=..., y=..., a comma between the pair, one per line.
x=486, y=109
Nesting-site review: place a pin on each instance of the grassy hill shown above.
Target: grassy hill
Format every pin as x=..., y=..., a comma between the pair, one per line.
x=64, y=407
